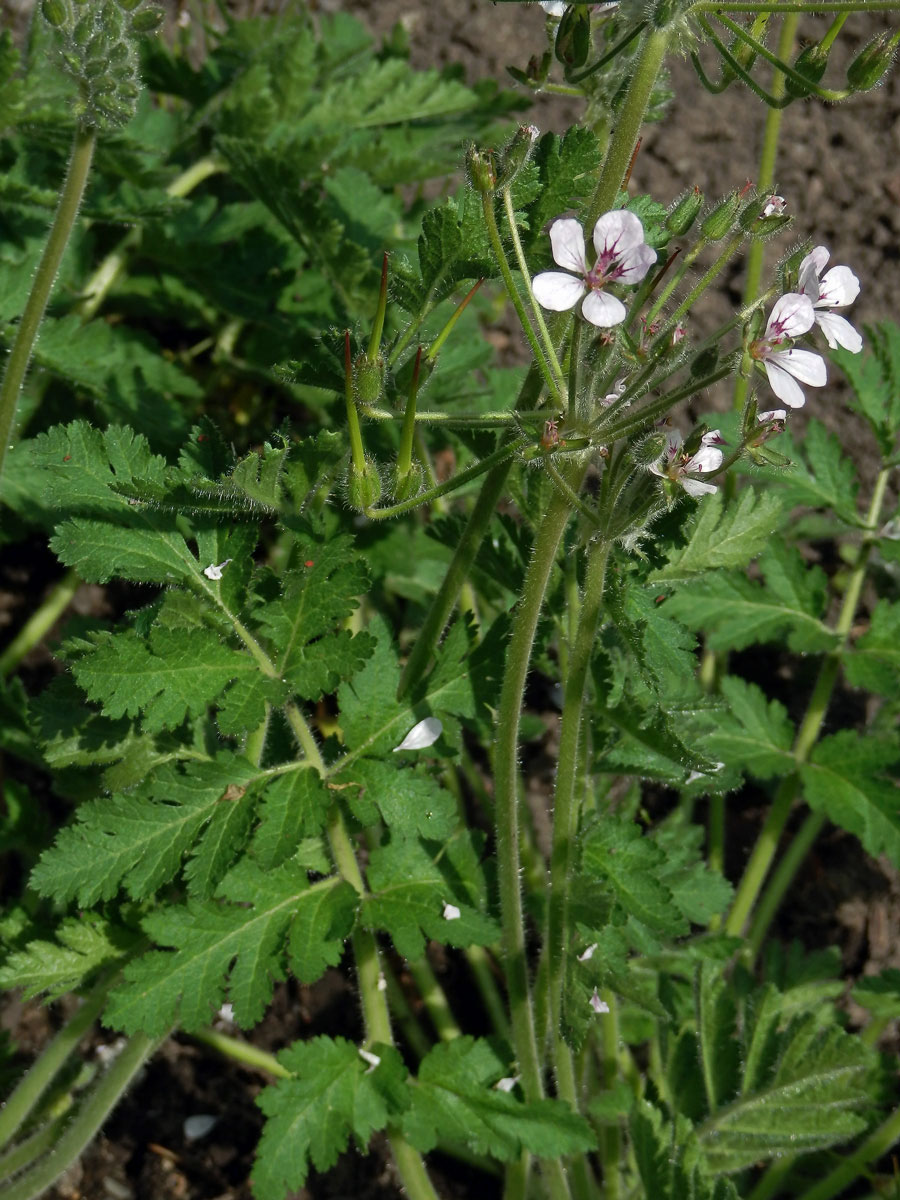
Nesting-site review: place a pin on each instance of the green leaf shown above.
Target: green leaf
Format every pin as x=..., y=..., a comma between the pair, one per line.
x=567, y=165
x=820, y=476
x=852, y=779
x=334, y=1095
x=618, y=854
x=668, y=1160
x=755, y=735
x=875, y=379
x=409, y=887
x=411, y=802
x=874, y=662
x=880, y=994
x=737, y=612
x=137, y=841
x=453, y=1100
x=723, y=535
x=294, y=806
x=83, y=946
x=239, y=948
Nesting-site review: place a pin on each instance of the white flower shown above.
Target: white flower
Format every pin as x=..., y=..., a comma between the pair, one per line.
x=622, y=257
x=774, y=206
x=837, y=289
x=792, y=316
x=426, y=733
x=679, y=466
x=214, y=571
x=598, y=1005
x=451, y=912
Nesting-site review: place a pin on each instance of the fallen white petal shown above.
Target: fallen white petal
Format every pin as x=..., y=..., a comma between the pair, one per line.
x=451, y=912
x=507, y=1083
x=426, y=733
x=367, y=1056
x=598, y=1005
x=198, y=1126
x=214, y=571
x=588, y=953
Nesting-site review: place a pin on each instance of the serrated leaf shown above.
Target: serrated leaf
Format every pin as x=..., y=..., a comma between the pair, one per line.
x=453, y=1100
x=880, y=994
x=875, y=379
x=852, y=779
x=82, y=948
x=723, y=535
x=237, y=948
x=616, y=853
x=310, y=1118
x=408, y=888
x=137, y=841
x=293, y=806
x=755, y=735
x=668, y=1159
x=874, y=662
x=820, y=475
x=410, y=802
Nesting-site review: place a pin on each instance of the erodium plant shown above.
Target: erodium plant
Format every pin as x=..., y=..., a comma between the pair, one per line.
x=338, y=540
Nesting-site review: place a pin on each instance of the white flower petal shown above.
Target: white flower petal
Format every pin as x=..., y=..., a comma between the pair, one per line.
x=567, y=243
x=451, y=912
x=617, y=231
x=506, y=1084
x=426, y=733
x=707, y=460
x=598, y=1005
x=792, y=316
x=816, y=260
x=604, y=310
x=785, y=387
x=634, y=264
x=553, y=8
x=556, y=291
x=587, y=954
x=838, y=288
x=695, y=487
x=198, y=1126
x=214, y=571
x=839, y=332
x=367, y=1056
x=809, y=368
x=773, y=414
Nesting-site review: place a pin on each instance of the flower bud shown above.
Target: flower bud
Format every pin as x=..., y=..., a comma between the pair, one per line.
x=147, y=20
x=128, y=5
x=368, y=378
x=665, y=12
x=649, y=450
x=516, y=154
x=872, y=63
x=763, y=216
x=573, y=37
x=754, y=326
x=363, y=487
x=480, y=170
x=684, y=212
x=55, y=12
x=810, y=63
x=720, y=221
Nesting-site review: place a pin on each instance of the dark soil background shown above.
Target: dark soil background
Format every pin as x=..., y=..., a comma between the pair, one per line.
x=840, y=172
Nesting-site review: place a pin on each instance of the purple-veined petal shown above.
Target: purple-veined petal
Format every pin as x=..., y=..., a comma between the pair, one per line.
x=600, y=308
x=426, y=733
x=784, y=385
x=792, y=316
x=617, y=231
x=567, y=243
x=556, y=291
x=839, y=332
x=634, y=264
x=598, y=1005
x=815, y=262
x=707, y=459
x=774, y=414
x=809, y=368
x=837, y=288
x=695, y=487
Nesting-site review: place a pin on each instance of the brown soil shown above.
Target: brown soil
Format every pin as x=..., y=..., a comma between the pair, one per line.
x=839, y=171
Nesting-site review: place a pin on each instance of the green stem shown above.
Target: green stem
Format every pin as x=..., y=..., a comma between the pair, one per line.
x=40, y=622
x=86, y=1123
x=357, y=451
x=404, y=454
x=783, y=876
x=44, y=278
x=486, y=420
x=526, y=280
x=610, y=1140
x=481, y=967
x=378, y=324
x=730, y=249
x=631, y=117
x=242, y=1052
x=21, y=1156
x=450, y=485
x=97, y=287
x=42, y=1072
x=435, y=1000
x=780, y=66
x=766, y=181
x=763, y=853
x=553, y=383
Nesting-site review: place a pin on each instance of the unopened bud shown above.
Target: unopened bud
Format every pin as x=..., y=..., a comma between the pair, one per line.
x=754, y=325
x=665, y=12
x=480, y=170
x=649, y=450
x=368, y=378
x=147, y=20
x=684, y=212
x=718, y=223
x=128, y=5
x=514, y=157
x=406, y=486
x=55, y=12
x=573, y=37
x=363, y=487
x=810, y=63
x=872, y=63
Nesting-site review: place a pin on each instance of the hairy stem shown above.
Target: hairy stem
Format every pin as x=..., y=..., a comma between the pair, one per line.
x=40, y=622
x=44, y=278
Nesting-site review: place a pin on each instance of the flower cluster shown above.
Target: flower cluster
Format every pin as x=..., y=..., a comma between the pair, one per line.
x=677, y=465
x=794, y=315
